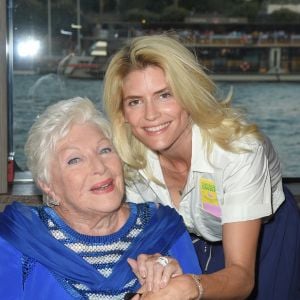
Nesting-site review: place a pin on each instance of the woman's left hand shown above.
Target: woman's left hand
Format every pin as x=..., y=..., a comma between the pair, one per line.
x=154, y=271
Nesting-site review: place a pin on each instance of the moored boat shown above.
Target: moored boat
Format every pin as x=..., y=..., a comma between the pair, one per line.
x=91, y=66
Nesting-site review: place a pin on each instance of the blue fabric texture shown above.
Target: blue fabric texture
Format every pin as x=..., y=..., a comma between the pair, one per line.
x=27, y=241
x=278, y=258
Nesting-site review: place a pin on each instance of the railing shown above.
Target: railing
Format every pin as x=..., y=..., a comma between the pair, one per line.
x=246, y=40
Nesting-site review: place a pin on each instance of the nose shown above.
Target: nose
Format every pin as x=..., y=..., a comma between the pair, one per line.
x=151, y=111
x=97, y=165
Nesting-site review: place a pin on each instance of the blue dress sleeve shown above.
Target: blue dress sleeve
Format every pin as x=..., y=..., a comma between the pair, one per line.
x=11, y=276
x=183, y=250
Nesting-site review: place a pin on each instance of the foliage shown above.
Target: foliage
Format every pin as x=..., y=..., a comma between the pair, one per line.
x=29, y=12
x=173, y=14
x=285, y=1
x=33, y=12
x=169, y=14
x=212, y=6
x=149, y=5
x=138, y=15
x=284, y=16
x=248, y=9
x=220, y=7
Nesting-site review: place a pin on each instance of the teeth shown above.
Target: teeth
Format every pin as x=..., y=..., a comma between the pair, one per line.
x=102, y=187
x=157, y=128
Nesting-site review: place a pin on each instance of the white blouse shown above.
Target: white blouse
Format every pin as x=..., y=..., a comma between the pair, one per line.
x=230, y=187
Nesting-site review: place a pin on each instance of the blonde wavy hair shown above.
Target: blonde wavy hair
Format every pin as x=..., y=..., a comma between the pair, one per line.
x=195, y=91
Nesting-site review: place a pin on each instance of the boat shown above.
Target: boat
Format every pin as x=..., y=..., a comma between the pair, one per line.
x=83, y=67
x=91, y=66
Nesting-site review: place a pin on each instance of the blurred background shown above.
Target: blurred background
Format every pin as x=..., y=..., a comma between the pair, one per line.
x=60, y=50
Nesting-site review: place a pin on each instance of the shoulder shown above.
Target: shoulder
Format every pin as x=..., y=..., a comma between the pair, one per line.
x=7, y=250
x=250, y=150
x=11, y=273
x=217, y=157
x=142, y=206
x=10, y=260
x=155, y=211
x=151, y=208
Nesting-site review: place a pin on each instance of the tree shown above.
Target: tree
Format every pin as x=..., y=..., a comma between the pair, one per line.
x=174, y=14
x=247, y=9
x=284, y=16
x=140, y=16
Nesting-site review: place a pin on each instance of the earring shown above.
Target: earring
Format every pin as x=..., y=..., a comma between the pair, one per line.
x=50, y=201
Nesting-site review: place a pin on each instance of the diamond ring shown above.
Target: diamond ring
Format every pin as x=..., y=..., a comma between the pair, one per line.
x=162, y=260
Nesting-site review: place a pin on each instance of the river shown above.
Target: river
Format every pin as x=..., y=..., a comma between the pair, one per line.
x=274, y=106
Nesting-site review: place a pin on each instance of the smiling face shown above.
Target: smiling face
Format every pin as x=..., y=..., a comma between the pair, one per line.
x=154, y=114
x=86, y=174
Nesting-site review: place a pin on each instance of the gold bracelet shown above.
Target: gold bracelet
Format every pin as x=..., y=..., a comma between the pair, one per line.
x=197, y=280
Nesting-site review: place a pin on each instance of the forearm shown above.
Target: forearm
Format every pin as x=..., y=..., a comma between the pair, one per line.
x=230, y=283
x=237, y=279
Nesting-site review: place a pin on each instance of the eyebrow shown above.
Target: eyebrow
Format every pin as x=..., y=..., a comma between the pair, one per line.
x=155, y=93
x=162, y=90
x=104, y=139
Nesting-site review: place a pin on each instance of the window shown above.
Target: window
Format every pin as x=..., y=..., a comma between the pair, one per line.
x=60, y=49
x=3, y=99
x=52, y=61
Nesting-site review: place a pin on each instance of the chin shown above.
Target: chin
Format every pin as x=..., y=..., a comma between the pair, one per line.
x=159, y=148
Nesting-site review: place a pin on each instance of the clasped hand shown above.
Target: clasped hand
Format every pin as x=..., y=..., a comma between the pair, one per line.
x=161, y=279
x=152, y=273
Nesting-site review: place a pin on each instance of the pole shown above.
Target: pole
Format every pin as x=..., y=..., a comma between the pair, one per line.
x=10, y=68
x=78, y=29
x=49, y=29
x=10, y=76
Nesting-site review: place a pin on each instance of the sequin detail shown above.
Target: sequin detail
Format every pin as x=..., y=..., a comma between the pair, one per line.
x=27, y=266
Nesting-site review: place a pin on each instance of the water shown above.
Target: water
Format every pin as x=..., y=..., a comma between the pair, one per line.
x=274, y=106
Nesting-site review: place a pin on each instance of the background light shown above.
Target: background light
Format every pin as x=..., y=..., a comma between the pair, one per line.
x=29, y=47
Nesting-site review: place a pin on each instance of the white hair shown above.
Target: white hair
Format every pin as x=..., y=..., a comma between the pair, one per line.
x=53, y=125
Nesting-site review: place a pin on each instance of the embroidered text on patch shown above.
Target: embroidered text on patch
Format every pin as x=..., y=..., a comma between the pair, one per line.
x=209, y=198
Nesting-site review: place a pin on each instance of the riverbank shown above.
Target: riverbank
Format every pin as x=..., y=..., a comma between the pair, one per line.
x=237, y=77
x=256, y=77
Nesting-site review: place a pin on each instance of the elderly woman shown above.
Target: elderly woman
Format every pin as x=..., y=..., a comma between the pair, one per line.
x=77, y=245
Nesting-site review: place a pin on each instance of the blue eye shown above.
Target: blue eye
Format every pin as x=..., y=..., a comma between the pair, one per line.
x=105, y=150
x=74, y=161
x=134, y=102
x=165, y=95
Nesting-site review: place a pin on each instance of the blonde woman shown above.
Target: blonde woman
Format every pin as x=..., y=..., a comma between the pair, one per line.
x=185, y=148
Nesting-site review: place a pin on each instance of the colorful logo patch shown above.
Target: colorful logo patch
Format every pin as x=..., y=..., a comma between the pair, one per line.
x=209, y=197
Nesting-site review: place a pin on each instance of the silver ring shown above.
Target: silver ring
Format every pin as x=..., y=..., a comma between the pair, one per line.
x=162, y=260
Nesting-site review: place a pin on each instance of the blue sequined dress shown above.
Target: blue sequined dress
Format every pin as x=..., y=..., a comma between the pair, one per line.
x=41, y=257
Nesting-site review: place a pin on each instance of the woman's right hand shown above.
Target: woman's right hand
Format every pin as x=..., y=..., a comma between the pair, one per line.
x=152, y=274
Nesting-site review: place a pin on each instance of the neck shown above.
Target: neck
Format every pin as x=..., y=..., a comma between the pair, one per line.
x=174, y=165
x=177, y=158
x=98, y=225
x=177, y=161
